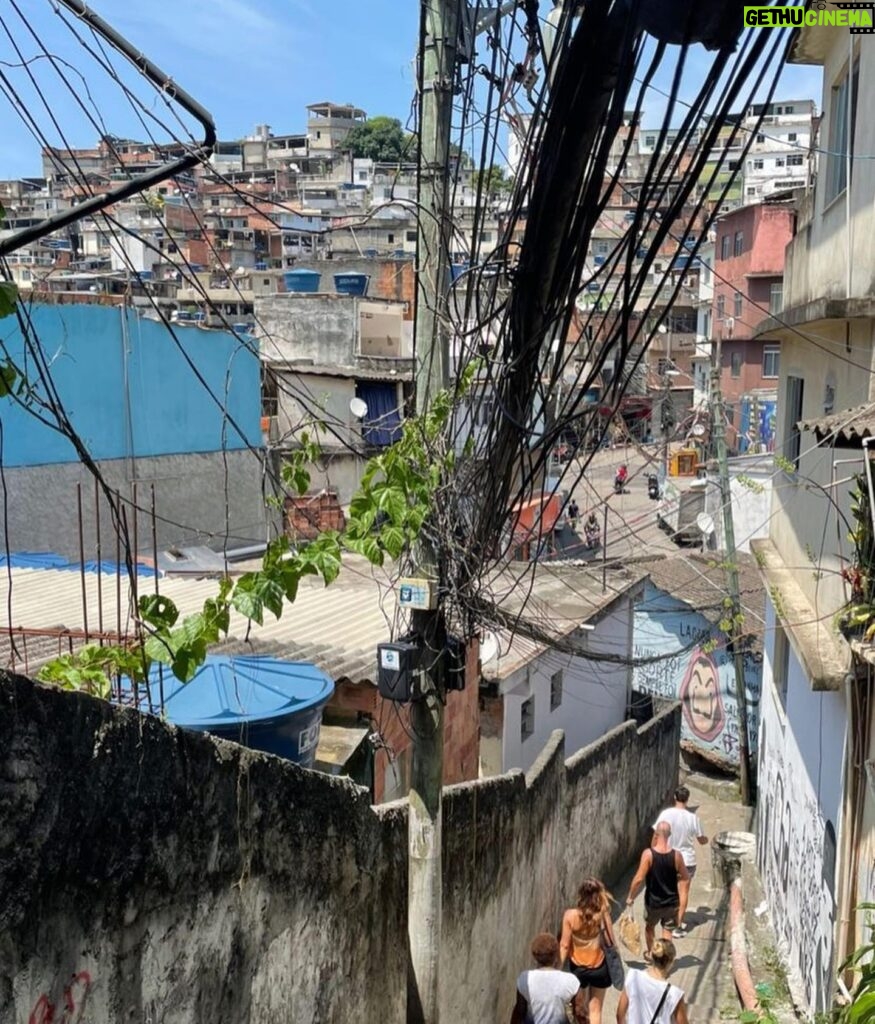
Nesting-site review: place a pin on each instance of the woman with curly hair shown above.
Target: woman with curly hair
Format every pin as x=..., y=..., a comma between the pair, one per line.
x=584, y=929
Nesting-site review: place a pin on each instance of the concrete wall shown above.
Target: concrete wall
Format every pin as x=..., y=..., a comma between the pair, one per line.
x=801, y=766
x=158, y=874
x=817, y=258
x=320, y=327
x=704, y=682
x=803, y=516
x=189, y=499
x=127, y=387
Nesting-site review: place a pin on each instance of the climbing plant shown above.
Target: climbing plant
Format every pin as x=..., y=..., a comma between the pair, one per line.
x=858, y=616
x=386, y=516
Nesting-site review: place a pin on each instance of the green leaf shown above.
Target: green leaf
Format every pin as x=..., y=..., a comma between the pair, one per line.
x=367, y=546
x=392, y=501
x=247, y=600
x=157, y=610
x=11, y=381
x=8, y=298
x=323, y=556
x=188, y=660
x=158, y=648
x=394, y=540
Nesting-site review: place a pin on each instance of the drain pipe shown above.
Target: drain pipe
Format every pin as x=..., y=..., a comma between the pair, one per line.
x=741, y=975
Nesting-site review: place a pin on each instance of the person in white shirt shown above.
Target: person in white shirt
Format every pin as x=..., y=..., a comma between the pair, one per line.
x=545, y=993
x=648, y=997
x=686, y=832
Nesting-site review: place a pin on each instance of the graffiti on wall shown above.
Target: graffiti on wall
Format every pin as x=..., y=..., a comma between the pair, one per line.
x=796, y=854
x=702, y=678
x=69, y=1009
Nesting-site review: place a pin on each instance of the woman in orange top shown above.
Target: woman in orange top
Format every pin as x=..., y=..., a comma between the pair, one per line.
x=581, y=944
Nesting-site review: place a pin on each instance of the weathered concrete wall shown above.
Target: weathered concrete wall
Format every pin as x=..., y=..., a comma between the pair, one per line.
x=189, y=499
x=183, y=879
x=157, y=874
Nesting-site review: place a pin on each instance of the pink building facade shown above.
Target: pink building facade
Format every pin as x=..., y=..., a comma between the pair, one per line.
x=748, y=287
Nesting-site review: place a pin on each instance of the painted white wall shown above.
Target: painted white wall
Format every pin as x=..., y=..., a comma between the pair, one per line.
x=801, y=766
x=594, y=697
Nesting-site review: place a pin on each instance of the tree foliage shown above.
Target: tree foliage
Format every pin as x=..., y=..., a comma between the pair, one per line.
x=494, y=181
x=381, y=139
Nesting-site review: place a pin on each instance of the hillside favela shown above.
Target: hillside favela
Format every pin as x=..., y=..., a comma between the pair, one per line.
x=437, y=579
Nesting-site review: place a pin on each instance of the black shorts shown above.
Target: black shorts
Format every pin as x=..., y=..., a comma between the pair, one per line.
x=592, y=977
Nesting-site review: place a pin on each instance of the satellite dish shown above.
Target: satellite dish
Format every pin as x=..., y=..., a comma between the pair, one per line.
x=358, y=408
x=698, y=429
x=489, y=648
x=705, y=523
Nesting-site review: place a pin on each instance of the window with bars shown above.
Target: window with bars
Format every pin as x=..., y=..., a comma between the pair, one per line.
x=527, y=718
x=737, y=305
x=841, y=134
x=792, y=415
x=771, y=362
x=739, y=243
x=556, y=690
x=725, y=247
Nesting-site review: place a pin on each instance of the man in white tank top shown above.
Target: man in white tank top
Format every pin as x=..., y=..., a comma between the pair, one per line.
x=686, y=832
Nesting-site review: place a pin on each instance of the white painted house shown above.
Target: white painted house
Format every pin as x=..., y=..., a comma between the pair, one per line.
x=580, y=683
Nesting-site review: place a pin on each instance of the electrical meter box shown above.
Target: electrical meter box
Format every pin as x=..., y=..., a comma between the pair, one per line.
x=417, y=594
x=398, y=670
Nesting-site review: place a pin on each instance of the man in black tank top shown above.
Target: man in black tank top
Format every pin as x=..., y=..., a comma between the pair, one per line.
x=659, y=871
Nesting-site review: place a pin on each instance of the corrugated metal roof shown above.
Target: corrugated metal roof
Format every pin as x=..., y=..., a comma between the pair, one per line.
x=336, y=628
x=849, y=426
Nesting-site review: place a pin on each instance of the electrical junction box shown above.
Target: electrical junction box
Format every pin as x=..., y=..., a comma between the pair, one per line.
x=418, y=594
x=398, y=670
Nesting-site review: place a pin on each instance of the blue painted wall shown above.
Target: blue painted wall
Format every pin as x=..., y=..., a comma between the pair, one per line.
x=171, y=410
x=701, y=678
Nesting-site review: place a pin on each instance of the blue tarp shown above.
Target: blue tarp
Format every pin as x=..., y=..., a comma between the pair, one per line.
x=49, y=560
x=382, y=425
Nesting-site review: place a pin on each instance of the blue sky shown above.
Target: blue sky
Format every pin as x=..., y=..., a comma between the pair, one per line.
x=247, y=61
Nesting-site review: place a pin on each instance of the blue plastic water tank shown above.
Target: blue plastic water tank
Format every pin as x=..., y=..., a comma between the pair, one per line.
x=264, y=703
x=457, y=269
x=351, y=284
x=302, y=280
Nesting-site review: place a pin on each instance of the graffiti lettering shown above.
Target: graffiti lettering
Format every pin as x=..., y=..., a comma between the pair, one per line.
x=73, y=1000
x=796, y=856
x=703, y=680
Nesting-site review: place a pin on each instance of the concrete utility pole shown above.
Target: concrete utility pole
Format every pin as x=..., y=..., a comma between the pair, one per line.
x=718, y=441
x=439, y=34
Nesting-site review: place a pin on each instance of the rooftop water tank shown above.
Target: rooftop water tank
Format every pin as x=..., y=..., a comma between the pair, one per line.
x=302, y=280
x=264, y=703
x=351, y=284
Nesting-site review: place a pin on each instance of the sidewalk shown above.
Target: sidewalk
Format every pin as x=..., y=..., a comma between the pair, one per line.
x=702, y=968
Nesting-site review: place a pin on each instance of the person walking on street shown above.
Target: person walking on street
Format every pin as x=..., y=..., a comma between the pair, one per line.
x=573, y=514
x=648, y=997
x=584, y=931
x=545, y=993
x=660, y=871
x=686, y=832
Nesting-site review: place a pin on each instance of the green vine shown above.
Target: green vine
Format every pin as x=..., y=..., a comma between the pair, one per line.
x=858, y=615
x=396, y=496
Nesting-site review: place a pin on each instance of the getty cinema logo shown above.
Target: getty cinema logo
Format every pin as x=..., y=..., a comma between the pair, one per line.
x=859, y=18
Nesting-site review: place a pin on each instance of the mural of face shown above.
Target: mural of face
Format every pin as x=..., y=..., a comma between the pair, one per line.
x=700, y=694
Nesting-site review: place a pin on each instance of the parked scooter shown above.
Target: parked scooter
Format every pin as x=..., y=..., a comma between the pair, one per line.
x=653, y=487
x=592, y=535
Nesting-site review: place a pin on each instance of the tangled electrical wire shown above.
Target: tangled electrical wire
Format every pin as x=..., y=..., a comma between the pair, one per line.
x=542, y=322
